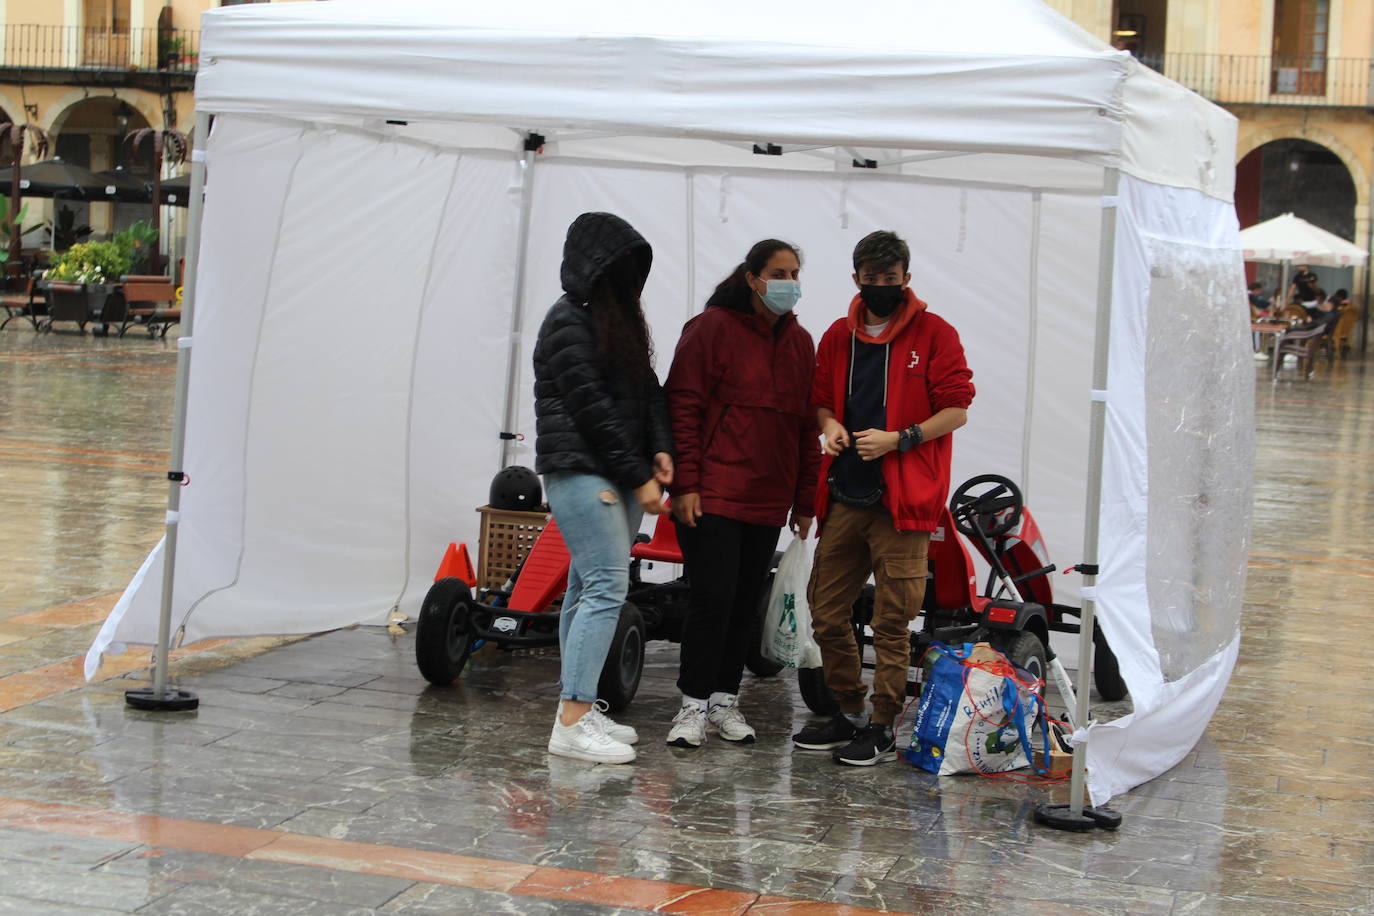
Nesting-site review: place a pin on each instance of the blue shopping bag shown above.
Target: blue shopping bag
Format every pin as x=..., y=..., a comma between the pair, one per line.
x=971, y=719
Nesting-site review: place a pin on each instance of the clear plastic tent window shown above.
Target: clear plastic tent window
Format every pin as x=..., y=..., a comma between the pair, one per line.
x=1195, y=427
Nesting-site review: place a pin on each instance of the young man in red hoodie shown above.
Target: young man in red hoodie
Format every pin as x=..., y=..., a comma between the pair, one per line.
x=891, y=385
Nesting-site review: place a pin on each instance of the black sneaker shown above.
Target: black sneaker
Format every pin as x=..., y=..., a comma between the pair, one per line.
x=873, y=744
x=838, y=732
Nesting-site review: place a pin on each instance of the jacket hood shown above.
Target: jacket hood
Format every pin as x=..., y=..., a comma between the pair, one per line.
x=911, y=307
x=595, y=241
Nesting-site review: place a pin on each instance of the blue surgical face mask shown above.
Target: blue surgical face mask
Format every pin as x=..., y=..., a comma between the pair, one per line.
x=780, y=295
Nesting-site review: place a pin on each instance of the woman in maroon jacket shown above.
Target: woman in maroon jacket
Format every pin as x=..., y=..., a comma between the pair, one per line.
x=747, y=458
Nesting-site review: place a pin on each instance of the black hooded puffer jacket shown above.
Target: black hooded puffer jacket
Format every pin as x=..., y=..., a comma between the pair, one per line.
x=586, y=420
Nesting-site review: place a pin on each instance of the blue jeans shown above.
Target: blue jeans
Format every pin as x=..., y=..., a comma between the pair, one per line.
x=599, y=521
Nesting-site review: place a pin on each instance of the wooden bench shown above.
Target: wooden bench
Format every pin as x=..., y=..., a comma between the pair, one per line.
x=151, y=303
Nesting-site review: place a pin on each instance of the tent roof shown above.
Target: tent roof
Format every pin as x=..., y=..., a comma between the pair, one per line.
x=1291, y=238
x=1003, y=76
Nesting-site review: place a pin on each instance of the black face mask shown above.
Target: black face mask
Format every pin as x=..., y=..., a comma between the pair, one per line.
x=882, y=300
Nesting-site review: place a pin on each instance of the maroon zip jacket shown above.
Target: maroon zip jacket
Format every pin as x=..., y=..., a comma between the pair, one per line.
x=739, y=398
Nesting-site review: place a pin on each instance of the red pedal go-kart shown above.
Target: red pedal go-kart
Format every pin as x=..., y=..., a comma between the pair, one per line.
x=454, y=622
x=1016, y=611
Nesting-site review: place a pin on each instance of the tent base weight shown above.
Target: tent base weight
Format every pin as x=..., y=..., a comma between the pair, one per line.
x=1061, y=817
x=171, y=699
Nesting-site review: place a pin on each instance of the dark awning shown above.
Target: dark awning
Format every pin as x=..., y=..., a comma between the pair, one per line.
x=124, y=187
x=55, y=178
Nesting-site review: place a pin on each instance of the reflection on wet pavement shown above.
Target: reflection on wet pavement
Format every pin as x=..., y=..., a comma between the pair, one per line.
x=322, y=775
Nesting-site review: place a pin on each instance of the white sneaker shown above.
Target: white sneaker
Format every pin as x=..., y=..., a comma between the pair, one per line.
x=1264, y=357
x=586, y=739
x=625, y=734
x=689, y=727
x=729, y=721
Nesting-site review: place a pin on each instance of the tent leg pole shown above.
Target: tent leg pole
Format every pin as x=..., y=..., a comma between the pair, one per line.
x=517, y=318
x=1364, y=299
x=1076, y=815
x=159, y=696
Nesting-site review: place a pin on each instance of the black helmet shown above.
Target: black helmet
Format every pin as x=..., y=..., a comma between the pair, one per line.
x=517, y=489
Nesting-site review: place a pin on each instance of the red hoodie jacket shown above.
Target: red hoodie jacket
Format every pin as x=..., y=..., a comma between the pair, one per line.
x=926, y=373
x=743, y=429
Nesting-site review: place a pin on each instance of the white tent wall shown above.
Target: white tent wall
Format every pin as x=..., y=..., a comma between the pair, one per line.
x=1177, y=477
x=292, y=524
x=954, y=233
x=344, y=411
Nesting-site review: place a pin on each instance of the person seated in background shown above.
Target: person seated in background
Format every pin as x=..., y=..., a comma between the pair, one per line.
x=1259, y=302
x=1321, y=318
x=1339, y=299
x=1314, y=306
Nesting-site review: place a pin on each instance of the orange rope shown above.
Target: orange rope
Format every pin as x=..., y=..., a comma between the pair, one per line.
x=1003, y=668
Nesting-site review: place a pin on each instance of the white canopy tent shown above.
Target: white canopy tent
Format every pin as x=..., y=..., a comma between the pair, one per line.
x=389, y=184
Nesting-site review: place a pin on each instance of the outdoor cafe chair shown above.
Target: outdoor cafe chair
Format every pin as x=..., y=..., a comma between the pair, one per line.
x=1345, y=328
x=1304, y=344
x=28, y=304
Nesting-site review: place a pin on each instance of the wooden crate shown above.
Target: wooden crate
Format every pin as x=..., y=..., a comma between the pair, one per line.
x=505, y=538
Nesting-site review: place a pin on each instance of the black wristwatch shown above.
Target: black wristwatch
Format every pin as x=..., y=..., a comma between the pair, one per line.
x=910, y=437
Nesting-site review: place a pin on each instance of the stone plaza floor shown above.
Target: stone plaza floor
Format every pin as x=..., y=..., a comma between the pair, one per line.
x=322, y=775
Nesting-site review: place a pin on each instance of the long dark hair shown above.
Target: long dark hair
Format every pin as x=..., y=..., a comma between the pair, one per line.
x=734, y=292
x=623, y=345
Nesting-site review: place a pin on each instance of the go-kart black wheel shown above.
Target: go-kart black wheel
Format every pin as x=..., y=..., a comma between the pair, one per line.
x=1106, y=671
x=624, y=661
x=443, y=640
x=760, y=664
x=989, y=501
x=814, y=692
x=1027, y=652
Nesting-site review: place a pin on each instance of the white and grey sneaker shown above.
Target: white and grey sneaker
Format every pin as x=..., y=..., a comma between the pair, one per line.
x=689, y=727
x=729, y=721
x=625, y=734
x=586, y=739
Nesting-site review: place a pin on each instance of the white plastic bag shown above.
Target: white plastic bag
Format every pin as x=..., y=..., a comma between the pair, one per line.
x=787, y=637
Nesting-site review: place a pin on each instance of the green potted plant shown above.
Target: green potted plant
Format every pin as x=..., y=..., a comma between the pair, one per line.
x=82, y=281
x=138, y=241
x=169, y=49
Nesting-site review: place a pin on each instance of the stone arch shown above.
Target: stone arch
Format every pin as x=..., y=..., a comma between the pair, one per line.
x=12, y=107
x=56, y=115
x=1253, y=140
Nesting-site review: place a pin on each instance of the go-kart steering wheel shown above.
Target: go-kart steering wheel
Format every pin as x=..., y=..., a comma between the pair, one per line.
x=996, y=510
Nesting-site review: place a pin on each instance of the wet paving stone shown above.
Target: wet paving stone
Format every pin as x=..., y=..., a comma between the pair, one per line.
x=336, y=738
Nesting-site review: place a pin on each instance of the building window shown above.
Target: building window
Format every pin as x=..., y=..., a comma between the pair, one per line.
x=106, y=33
x=108, y=16
x=1300, y=32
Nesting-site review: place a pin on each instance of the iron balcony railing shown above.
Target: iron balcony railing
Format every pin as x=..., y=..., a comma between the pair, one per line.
x=1237, y=79
x=60, y=47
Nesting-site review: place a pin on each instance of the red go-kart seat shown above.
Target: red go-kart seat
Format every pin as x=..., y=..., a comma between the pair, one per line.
x=954, y=579
x=544, y=575
x=663, y=546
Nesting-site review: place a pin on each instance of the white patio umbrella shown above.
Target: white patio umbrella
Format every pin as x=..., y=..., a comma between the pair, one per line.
x=1290, y=239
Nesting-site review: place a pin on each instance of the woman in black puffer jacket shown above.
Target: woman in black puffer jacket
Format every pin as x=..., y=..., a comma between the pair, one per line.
x=604, y=447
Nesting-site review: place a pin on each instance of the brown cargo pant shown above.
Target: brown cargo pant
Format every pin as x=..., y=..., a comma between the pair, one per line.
x=854, y=544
